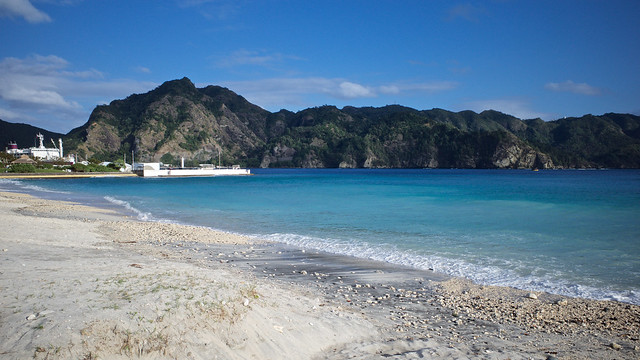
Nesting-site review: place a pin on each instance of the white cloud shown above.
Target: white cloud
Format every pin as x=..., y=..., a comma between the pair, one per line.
x=572, y=87
x=23, y=9
x=9, y=115
x=32, y=81
x=284, y=92
x=515, y=107
x=351, y=90
x=46, y=92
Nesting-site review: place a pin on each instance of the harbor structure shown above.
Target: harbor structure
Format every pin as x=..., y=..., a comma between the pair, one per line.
x=159, y=170
x=40, y=152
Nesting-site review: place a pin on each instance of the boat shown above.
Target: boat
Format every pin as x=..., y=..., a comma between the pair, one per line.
x=159, y=170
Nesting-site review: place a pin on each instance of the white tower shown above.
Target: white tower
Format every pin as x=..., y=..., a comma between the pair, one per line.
x=41, y=138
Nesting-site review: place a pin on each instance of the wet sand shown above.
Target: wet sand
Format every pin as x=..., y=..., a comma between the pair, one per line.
x=81, y=282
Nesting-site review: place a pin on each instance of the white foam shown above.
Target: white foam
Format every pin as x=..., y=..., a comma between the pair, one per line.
x=504, y=275
x=23, y=186
x=143, y=216
x=41, y=189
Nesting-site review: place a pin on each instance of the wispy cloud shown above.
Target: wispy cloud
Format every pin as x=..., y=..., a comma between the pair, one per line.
x=516, y=107
x=47, y=92
x=142, y=69
x=298, y=91
x=466, y=11
x=23, y=9
x=213, y=9
x=245, y=57
x=32, y=82
x=572, y=87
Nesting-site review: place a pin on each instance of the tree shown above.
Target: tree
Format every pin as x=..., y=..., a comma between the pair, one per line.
x=22, y=168
x=167, y=159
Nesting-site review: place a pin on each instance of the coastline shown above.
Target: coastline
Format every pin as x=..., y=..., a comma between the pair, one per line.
x=83, y=282
x=64, y=175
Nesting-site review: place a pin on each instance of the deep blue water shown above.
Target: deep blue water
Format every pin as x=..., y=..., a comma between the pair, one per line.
x=570, y=232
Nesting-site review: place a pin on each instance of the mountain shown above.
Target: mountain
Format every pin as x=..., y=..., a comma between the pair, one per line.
x=23, y=135
x=396, y=137
x=178, y=120
x=172, y=121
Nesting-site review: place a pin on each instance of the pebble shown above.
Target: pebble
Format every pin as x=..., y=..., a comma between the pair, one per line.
x=41, y=313
x=616, y=346
x=532, y=296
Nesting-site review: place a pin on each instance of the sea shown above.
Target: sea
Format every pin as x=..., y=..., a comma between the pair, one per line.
x=568, y=232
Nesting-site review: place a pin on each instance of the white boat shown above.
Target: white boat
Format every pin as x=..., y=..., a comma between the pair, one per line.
x=158, y=170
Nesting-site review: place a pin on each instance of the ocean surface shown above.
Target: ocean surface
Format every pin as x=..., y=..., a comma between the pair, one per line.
x=567, y=232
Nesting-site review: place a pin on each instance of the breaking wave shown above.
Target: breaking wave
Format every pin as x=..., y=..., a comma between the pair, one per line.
x=141, y=215
x=484, y=274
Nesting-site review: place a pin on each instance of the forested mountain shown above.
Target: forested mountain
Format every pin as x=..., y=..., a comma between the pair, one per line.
x=172, y=121
x=179, y=120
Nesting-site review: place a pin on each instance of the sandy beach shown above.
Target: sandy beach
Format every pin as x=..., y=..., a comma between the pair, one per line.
x=78, y=282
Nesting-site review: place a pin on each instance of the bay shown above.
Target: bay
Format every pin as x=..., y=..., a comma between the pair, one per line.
x=568, y=232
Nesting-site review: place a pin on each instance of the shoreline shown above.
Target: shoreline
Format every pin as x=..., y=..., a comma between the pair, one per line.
x=64, y=175
x=78, y=281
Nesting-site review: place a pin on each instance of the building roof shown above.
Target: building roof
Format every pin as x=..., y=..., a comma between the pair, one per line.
x=24, y=159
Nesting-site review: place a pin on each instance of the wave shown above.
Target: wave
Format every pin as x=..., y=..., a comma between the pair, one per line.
x=41, y=189
x=13, y=184
x=141, y=215
x=478, y=273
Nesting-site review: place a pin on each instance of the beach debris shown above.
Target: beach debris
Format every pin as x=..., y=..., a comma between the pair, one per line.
x=246, y=302
x=532, y=296
x=616, y=346
x=40, y=314
x=138, y=266
x=562, y=302
x=278, y=328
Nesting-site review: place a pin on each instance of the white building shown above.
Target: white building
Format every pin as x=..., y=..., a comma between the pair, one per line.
x=40, y=152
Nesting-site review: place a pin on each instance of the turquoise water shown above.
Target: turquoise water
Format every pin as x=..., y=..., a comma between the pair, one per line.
x=575, y=233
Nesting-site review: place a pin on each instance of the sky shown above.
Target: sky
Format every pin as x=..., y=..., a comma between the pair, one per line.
x=59, y=59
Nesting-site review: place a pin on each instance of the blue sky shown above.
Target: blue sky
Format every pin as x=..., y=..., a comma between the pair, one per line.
x=547, y=59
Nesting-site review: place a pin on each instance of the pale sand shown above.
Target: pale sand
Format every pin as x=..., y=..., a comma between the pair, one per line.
x=83, y=283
